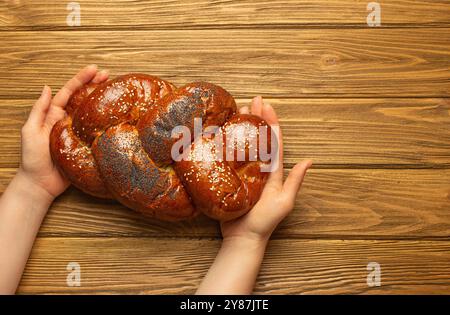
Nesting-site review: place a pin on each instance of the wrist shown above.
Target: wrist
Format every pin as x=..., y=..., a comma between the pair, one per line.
x=26, y=187
x=246, y=242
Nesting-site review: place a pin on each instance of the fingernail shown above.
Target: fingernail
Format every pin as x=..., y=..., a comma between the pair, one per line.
x=266, y=105
x=43, y=91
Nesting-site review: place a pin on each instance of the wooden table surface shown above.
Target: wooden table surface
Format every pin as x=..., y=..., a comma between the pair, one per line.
x=370, y=106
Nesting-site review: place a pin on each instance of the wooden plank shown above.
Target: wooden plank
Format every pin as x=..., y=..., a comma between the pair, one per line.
x=281, y=63
x=169, y=266
x=344, y=204
x=333, y=132
x=208, y=13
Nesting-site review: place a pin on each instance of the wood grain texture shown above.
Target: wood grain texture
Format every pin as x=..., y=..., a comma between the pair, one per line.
x=274, y=62
x=125, y=14
x=370, y=106
x=344, y=133
x=168, y=266
x=344, y=204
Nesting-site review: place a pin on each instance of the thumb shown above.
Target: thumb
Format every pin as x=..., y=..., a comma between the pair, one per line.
x=295, y=179
x=40, y=108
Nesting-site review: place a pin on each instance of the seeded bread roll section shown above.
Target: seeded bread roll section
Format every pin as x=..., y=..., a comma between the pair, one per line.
x=116, y=142
x=222, y=174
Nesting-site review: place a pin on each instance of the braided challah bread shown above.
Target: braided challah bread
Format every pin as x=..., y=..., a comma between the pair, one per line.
x=117, y=142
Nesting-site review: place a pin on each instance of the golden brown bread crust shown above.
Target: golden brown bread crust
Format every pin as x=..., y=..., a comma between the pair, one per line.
x=135, y=180
x=202, y=100
x=75, y=160
x=225, y=189
x=116, y=143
